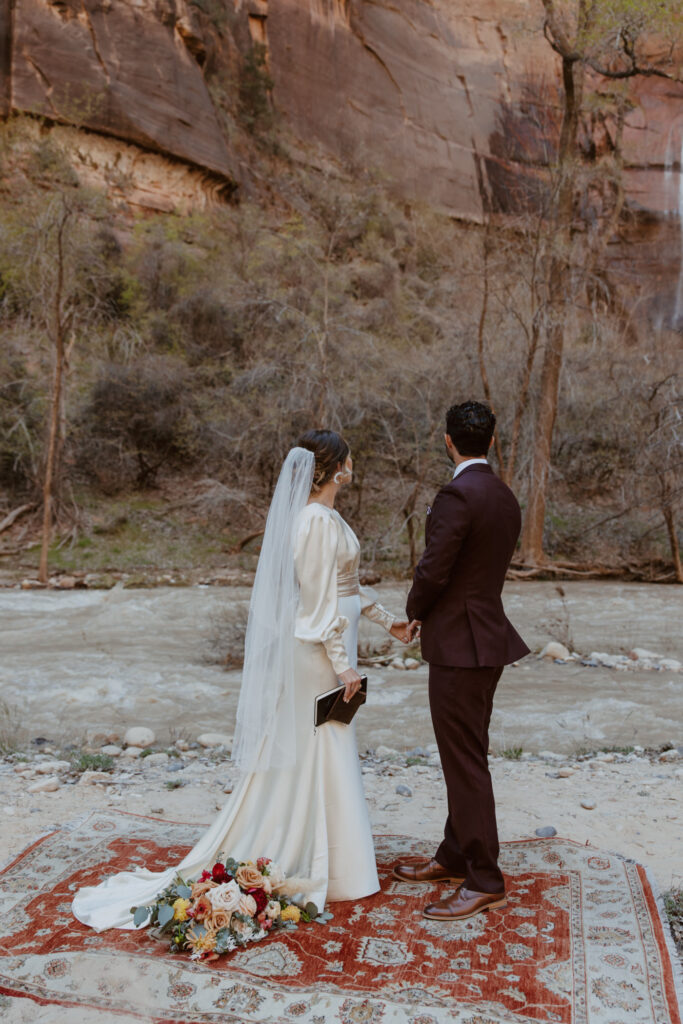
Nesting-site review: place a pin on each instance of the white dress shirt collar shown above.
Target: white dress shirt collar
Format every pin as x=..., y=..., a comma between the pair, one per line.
x=469, y=462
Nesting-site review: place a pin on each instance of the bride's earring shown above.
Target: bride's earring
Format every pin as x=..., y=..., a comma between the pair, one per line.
x=337, y=478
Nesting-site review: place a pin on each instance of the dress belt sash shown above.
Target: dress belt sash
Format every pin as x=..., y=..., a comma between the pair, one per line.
x=348, y=584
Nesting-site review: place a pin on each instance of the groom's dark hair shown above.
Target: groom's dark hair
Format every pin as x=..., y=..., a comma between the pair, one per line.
x=470, y=427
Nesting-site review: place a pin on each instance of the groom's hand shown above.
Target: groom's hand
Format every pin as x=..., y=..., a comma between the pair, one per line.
x=414, y=629
x=351, y=681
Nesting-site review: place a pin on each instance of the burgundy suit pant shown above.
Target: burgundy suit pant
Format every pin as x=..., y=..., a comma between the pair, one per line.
x=461, y=700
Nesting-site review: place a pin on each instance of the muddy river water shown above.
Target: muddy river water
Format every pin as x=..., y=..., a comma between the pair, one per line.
x=78, y=660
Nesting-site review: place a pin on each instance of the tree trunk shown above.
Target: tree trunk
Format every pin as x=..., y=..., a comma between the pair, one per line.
x=482, y=362
x=50, y=461
x=670, y=521
x=558, y=283
x=58, y=332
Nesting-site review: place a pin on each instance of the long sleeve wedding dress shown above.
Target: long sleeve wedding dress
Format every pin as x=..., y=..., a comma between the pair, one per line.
x=310, y=818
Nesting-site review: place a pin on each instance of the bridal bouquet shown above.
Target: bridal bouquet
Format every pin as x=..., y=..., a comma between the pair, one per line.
x=235, y=903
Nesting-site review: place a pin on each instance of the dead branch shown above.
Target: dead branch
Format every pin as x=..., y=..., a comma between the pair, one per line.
x=15, y=514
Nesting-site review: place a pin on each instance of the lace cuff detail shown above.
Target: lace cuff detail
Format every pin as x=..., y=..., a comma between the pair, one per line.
x=373, y=610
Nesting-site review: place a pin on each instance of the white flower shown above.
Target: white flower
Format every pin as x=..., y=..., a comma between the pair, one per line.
x=243, y=929
x=273, y=910
x=225, y=897
x=276, y=875
x=247, y=905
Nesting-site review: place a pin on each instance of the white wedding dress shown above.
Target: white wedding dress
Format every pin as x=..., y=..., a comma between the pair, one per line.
x=312, y=818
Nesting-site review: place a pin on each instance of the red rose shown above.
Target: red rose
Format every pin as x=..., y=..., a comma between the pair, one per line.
x=218, y=873
x=260, y=898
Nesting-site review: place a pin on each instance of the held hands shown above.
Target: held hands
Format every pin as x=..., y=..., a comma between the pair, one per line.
x=351, y=681
x=405, y=631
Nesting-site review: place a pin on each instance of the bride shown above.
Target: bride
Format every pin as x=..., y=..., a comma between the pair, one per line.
x=300, y=796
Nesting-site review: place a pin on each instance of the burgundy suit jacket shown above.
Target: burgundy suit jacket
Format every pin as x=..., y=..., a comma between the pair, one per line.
x=470, y=536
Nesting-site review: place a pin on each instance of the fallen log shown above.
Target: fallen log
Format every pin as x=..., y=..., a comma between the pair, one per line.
x=14, y=515
x=241, y=544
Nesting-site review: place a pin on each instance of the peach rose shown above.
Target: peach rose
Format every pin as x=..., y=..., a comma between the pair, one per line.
x=199, y=888
x=249, y=877
x=247, y=905
x=219, y=919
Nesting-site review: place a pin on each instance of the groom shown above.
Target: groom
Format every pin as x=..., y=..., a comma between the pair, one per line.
x=470, y=536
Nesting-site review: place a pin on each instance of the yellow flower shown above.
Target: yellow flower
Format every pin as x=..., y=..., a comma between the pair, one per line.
x=205, y=943
x=180, y=909
x=291, y=913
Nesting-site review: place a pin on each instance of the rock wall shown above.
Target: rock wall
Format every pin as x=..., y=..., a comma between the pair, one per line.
x=456, y=102
x=459, y=104
x=126, y=69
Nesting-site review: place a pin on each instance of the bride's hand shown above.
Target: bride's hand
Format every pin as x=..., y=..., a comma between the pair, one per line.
x=351, y=681
x=401, y=631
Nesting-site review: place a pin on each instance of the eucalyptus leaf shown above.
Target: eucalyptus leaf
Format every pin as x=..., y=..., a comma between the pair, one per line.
x=184, y=892
x=311, y=909
x=140, y=915
x=164, y=915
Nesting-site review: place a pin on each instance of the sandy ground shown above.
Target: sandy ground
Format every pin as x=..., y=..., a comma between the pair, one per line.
x=637, y=800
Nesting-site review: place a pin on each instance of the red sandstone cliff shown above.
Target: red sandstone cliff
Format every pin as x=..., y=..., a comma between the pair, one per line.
x=455, y=101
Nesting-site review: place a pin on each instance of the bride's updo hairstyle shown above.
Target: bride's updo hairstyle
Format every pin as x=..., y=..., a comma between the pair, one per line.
x=330, y=449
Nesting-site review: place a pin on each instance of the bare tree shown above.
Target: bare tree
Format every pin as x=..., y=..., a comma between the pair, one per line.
x=606, y=38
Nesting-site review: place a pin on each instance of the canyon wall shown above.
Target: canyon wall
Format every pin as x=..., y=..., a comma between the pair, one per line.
x=455, y=102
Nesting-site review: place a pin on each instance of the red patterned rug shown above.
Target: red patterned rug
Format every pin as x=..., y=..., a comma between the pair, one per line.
x=581, y=941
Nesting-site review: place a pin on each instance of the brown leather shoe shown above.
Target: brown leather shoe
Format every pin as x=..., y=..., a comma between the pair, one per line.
x=430, y=871
x=463, y=904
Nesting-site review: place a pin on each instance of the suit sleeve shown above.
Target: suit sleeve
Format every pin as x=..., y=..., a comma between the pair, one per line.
x=449, y=525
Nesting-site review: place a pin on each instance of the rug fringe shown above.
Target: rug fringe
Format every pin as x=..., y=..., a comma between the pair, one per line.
x=676, y=966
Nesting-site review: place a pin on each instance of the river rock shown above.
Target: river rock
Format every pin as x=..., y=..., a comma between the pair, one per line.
x=549, y=755
x=588, y=805
x=139, y=736
x=383, y=751
x=215, y=739
x=547, y=832
x=640, y=654
x=566, y=773
x=50, y=767
x=156, y=759
x=411, y=663
x=669, y=755
x=398, y=663
x=132, y=752
x=65, y=582
x=670, y=665
x=111, y=750
x=92, y=778
x=610, y=660
x=404, y=790
x=182, y=745
x=48, y=785
x=555, y=649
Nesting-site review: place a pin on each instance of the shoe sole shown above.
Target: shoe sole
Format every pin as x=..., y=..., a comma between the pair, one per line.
x=464, y=917
x=427, y=881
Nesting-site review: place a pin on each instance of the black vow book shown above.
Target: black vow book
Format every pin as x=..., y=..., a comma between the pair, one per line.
x=330, y=706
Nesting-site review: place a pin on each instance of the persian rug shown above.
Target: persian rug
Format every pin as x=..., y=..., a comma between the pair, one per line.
x=581, y=941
